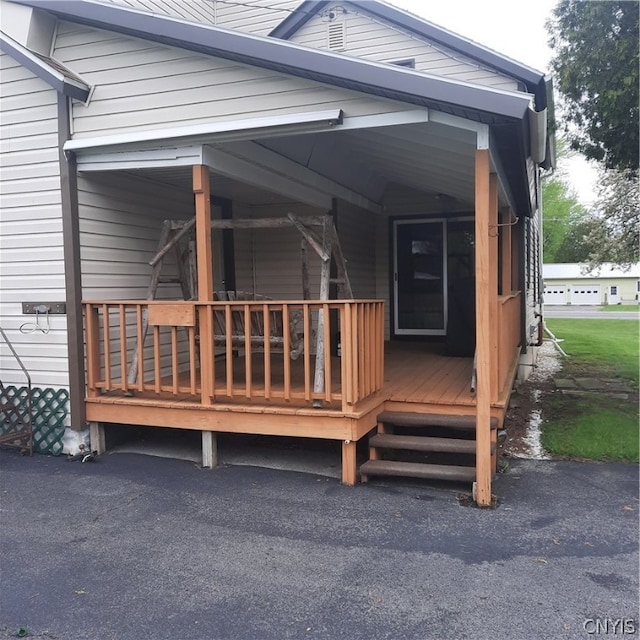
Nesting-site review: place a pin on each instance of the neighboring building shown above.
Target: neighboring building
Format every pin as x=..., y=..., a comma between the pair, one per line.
x=576, y=284
x=425, y=149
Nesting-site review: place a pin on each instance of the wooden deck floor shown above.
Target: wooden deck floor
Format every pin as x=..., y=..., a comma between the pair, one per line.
x=414, y=373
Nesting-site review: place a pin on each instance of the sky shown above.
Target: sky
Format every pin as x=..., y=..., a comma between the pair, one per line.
x=515, y=28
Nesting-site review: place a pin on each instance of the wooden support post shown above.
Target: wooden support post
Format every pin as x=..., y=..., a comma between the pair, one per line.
x=202, y=191
x=349, y=474
x=204, y=260
x=505, y=249
x=482, y=486
x=209, y=450
x=97, y=438
x=494, y=231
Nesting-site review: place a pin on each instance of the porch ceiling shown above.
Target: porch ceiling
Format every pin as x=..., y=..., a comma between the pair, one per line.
x=429, y=156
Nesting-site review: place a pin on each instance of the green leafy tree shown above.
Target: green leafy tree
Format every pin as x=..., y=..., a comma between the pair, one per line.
x=614, y=234
x=561, y=209
x=596, y=70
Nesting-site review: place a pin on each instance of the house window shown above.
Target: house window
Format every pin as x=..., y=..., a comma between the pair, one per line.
x=614, y=290
x=409, y=62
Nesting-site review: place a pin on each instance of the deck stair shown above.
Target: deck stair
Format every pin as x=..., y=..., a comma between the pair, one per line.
x=423, y=445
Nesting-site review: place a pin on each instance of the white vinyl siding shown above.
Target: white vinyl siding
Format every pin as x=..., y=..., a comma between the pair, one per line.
x=120, y=223
x=268, y=260
x=357, y=232
x=199, y=11
x=258, y=17
x=121, y=219
x=31, y=246
x=142, y=86
x=369, y=37
x=251, y=16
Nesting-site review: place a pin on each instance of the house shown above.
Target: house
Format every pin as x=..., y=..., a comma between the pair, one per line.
x=573, y=283
x=345, y=178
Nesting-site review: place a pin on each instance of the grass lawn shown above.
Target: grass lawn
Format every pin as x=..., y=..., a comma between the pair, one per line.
x=596, y=426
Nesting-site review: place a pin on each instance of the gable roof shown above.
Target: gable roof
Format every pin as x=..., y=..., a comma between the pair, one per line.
x=532, y=79
x=482, y=104
x=47, y=69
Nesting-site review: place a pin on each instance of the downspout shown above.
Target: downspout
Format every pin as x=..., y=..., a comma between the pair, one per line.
x=72, y=266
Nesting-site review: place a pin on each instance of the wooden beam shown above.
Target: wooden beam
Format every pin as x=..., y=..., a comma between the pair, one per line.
x=204, y=261
x=483, y=330
x=349, y=462
x=494, y=231
x=202, y=191
x=505, y=250
x=516, y=233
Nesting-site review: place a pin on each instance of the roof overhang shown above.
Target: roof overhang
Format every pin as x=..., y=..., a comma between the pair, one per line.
x=468, y=101
x=46, y=69
x=532, y=79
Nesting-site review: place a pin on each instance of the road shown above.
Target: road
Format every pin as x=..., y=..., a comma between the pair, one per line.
x=585, y=313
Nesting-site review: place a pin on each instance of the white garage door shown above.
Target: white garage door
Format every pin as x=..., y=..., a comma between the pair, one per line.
x=555, y=294
x=585, y=294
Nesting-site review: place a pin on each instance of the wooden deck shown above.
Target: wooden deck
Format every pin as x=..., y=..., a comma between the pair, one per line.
x=416, y=374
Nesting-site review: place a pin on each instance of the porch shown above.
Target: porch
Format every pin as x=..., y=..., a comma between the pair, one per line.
x=183, y=380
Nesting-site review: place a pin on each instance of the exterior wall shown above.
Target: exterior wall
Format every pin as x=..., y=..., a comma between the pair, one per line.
x=141, y=86
x=357, y=231
x=199, y=11
x=120, y=223
x=255, y=16
x=268, y=260
x=31, y=245
x=259, y=17
x=370, y=38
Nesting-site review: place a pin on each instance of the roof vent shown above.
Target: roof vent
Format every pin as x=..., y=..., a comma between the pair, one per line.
x=336, y=36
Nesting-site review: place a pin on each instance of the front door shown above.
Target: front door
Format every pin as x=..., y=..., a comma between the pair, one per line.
x=420, y=277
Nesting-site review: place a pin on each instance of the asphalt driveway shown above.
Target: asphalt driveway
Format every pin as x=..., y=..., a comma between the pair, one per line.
x=137, y=547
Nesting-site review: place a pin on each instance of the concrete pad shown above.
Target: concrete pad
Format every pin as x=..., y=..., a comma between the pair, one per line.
x=565, y=383
x=591, y=384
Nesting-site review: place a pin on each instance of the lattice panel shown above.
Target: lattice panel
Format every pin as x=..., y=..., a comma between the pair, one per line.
x=49, y=413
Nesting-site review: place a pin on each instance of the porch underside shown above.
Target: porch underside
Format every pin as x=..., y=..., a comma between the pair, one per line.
x=418, y=377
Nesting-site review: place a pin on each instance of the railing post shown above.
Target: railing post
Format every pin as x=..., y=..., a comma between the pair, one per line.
x=93, y=349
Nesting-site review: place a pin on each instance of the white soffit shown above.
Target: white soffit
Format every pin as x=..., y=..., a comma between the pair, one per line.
x=244, y=129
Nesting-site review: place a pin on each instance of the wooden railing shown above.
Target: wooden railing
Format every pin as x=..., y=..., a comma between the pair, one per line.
x=196, y=349
x=509, y=333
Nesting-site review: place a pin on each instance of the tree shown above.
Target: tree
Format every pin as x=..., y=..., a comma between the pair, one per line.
x=596, y=70
x=562, y=212
x=614, y=234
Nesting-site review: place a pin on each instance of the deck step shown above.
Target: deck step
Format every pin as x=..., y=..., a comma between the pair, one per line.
x=408, y=419
x=418, y=470
x=421, y=443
